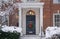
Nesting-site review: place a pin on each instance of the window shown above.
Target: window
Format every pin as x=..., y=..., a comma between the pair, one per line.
x=56, y=19
x=30, y=12
x=56, y=1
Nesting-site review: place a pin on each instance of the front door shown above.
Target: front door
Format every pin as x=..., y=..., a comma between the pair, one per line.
x=30, y=25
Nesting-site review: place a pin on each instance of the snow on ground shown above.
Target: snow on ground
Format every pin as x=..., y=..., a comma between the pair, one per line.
x=11, y=29
x=50, y=31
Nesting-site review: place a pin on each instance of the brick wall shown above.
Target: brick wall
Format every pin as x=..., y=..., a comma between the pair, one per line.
x=49, y=10
x=13, y=18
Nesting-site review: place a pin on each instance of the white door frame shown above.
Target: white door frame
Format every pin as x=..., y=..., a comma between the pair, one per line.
x=31, y=5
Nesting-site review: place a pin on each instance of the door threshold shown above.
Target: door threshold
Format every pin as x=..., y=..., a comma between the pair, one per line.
x=31, y=35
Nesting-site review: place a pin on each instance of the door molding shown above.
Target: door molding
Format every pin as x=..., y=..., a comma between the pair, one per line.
x=31, y=5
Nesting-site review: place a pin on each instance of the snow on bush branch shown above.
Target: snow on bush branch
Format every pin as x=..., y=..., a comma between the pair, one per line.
x=50, y=31
x=11, y=29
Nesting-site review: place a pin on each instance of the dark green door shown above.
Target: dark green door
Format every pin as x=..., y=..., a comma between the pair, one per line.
x=30, y=25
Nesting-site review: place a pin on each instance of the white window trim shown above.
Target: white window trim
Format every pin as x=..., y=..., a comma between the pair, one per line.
x=56, y=2
x=54, y=18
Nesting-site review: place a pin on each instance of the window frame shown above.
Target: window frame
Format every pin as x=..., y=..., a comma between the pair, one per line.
x=55, y=18
x=56, y=2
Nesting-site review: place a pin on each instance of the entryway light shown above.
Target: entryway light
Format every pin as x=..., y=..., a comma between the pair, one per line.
x=30, y=12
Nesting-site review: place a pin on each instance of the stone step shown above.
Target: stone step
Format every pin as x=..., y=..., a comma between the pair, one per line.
x=31, y=37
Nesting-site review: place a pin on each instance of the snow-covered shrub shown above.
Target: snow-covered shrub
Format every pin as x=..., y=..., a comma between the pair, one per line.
x=11, y=32
x=11, y=29
x=53, y=32
x=55, y=36
x=9, y=35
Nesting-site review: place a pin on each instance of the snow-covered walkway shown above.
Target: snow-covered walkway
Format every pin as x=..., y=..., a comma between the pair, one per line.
x=31, y=37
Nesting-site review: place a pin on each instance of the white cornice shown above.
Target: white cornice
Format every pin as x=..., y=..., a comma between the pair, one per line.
x=30, y=5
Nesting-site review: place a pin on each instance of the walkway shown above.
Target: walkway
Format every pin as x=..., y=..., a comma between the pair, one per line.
x=31, y=37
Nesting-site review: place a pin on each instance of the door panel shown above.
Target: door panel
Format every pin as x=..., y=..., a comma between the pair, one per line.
x=30, y=25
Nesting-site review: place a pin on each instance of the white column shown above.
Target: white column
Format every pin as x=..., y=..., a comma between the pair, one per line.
x=41, y=21
x=8, y=20
x=20, y=19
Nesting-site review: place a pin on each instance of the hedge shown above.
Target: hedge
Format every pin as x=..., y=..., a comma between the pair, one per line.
x=9, y=35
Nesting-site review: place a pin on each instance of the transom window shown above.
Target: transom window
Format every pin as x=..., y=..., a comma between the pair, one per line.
x=31, y=12
x=30, y=0
x=33, y=1
x=56, y=20
x=56, y=1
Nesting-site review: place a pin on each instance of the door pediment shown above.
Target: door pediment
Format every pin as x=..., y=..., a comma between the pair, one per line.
x=30, y=5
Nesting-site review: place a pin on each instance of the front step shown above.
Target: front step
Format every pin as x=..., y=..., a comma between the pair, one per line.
x=30, y=37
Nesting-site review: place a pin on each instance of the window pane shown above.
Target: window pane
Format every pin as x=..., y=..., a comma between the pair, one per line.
x=55, y=1
x=58, y=24
x=55, y=24
x=57, y=20
x=58, y=0
x=57, y=16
